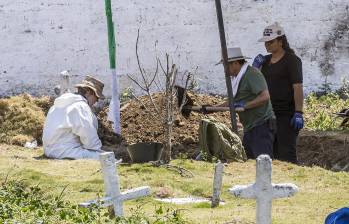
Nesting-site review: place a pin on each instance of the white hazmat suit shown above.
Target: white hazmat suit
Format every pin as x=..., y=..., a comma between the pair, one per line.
x=70, y=129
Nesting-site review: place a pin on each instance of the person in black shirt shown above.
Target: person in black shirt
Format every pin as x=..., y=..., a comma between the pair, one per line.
x=282, y=70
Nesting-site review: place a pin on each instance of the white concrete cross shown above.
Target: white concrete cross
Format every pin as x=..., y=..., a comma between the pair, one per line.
x=263, y=190
x=65, y=82
x=112, y=186
x=217, y=184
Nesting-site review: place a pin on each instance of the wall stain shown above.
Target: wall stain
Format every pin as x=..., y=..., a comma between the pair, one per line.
x=336, y=45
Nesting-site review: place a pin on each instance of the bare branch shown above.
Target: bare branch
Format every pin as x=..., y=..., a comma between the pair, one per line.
x=184, y=99
x=139, y=64
x=137, y=83
x=156, y=72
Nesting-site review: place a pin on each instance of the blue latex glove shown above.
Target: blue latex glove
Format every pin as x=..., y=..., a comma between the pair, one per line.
x=239, y=106
x=297, y=121
x=258, y=61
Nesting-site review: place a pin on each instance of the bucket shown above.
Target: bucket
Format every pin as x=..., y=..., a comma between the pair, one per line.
x=145, y=151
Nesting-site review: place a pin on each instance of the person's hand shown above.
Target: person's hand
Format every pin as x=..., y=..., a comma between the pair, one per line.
x=297, y=121
x=258, y=61
x=239, y=106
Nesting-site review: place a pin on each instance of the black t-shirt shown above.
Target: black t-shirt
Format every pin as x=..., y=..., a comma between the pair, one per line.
x=280, y=77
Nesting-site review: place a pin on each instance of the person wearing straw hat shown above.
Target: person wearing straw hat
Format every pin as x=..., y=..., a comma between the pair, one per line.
x=282, y=69
x=252, y=103
x=70, y=129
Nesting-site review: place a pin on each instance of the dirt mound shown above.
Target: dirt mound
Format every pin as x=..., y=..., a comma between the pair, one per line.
x=141, y=123
x=22, y=118
x=329, y=150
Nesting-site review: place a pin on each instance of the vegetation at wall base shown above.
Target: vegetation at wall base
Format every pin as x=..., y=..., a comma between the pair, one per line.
x=21, y=203
x=320, y=112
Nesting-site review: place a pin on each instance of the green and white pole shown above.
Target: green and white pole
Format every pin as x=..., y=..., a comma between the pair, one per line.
x=115, y=102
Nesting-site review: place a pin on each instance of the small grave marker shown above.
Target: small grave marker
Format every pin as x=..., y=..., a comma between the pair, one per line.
x=263, y=190
x=112, y=186
x=217, y=184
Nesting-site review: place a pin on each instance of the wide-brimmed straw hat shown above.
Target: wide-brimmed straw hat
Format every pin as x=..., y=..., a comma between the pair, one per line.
x=94, y=84
x=234, y=54
x=272, y=32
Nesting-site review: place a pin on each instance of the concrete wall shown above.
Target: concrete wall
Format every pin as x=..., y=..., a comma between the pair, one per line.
x=41, y=38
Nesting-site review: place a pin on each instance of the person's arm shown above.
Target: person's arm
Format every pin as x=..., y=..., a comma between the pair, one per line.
x=82, y=122
x=260, y=100
x=298, y=96
x=296, y=78
x=295, y=67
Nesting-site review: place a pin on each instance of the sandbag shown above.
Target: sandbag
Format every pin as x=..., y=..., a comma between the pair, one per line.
x=216, y=140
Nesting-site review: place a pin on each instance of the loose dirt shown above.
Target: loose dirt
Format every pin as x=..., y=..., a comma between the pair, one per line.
x=141, y=123
x=329, y=150
x=22, y=119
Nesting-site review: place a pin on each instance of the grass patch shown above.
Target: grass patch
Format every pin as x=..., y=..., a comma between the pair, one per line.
x=325, y=189
x=21, y=203
x=319, y=112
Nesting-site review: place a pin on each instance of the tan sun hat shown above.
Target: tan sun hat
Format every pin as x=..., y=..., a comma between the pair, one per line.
x=234, y=54
x=94, y=84
x=272, y=32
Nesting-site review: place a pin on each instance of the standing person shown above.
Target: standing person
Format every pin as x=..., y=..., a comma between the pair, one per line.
x=252, y=103
x=70, y=129
x=282, y=70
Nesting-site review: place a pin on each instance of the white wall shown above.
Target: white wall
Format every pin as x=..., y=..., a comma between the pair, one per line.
x=41, y=38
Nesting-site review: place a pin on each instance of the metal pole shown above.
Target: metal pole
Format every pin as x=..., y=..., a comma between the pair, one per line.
x=115, y=82
x=225, y=64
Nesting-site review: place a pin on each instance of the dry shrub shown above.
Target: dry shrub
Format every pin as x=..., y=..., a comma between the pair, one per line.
x=22, y=119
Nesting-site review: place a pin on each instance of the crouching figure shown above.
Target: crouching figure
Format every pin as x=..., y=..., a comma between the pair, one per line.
x=70, y=129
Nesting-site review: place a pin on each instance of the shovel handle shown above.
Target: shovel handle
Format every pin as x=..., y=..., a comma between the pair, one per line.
x=217, y=109
x=210, y=109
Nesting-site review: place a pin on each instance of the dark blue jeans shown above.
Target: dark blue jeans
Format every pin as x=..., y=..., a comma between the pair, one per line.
x=259, y=140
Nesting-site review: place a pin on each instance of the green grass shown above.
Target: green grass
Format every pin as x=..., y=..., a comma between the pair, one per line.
x=321, y=191
x=319, y=112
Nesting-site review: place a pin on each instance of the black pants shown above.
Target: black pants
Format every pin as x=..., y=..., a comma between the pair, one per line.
x=259, y=140
x=285, y=140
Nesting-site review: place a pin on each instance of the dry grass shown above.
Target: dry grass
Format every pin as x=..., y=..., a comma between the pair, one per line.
x=321, y=191
x=22, y=118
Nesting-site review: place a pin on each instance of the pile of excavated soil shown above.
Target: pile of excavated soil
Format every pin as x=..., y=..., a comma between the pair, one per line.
x=141, y=123
x=329, y=150
x=22, y=118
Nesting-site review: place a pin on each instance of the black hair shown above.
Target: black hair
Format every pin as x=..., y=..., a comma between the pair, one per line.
x=241, y=61
x=285, y=44
x=83, y=90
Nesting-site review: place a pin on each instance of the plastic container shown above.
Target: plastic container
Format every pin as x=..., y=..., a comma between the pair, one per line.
x=145, y=151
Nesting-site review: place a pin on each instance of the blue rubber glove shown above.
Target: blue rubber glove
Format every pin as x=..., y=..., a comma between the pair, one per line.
x=239, y=106
x=297, y=121
x=258, y=61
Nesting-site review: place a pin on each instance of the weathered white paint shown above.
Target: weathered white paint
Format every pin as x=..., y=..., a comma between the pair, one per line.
x=115, y=106
x=217, y=184
x=112, y=186
x=188, y=200
x=263, y=190
x=41, y=38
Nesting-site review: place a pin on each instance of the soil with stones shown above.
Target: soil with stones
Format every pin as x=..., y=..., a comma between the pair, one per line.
x=142, y=123
x=329, y=150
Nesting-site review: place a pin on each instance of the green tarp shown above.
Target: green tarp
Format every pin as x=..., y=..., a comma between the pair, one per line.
x=216, y=140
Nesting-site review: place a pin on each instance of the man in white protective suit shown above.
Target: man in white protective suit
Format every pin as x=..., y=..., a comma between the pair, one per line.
x=70, y=129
